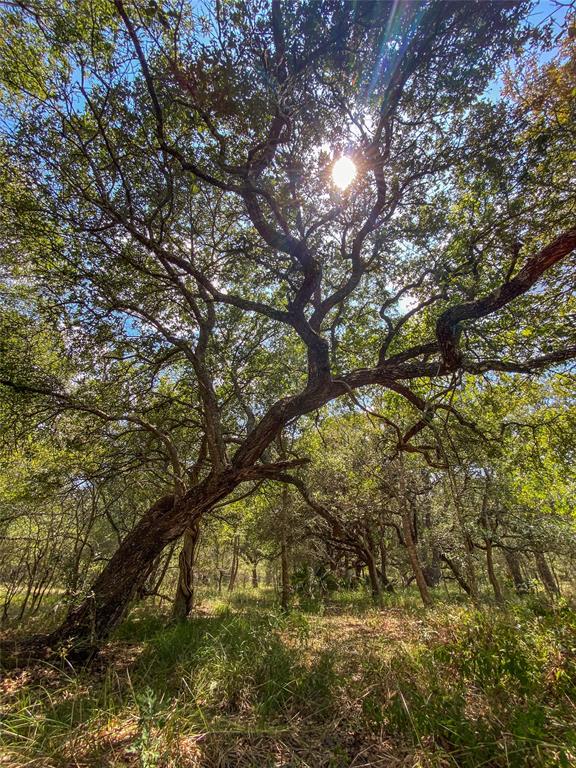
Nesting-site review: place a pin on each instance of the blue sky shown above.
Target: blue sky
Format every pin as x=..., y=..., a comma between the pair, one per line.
x=543, y=12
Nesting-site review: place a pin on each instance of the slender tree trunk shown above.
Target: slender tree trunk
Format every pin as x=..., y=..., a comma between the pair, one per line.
x=457, y=573
x=386, y=583
x=254, y=575
x=285, y=575
x=489, y=523
x=432, y=569
x=32, y=571
x=160, y=572
x=545, y=574
x=466, y=538
x=471, y=568
x=184, y=598
x=555, y=575
x=414, y=559
x=492, y=573
x=284, y=552
x=369, y=552
x=409, y=538
x=234, y=566
x=373, y=576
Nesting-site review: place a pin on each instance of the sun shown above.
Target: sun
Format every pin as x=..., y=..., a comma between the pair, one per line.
x=343, y=172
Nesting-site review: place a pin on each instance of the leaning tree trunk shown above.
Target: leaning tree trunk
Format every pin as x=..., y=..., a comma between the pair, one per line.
x=409, y=542
x=462, y=583
x=94, y=619
x=184, y=598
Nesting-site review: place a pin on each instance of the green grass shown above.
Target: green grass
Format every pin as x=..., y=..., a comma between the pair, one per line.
x=246, y=685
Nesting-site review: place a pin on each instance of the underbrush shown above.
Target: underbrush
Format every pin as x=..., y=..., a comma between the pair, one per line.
x=501, y=691
x=345, y=686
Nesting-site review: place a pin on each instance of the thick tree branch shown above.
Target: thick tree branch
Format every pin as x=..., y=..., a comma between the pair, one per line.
x=448, y=324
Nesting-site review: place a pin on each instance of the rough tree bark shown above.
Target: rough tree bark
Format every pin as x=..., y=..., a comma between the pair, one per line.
x=513, y=562
x=184, y=598
x=114, y=589
x=545, y=574
x=386, y=583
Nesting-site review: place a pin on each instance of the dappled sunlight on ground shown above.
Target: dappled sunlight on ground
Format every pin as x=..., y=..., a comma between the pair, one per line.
x=342, y=686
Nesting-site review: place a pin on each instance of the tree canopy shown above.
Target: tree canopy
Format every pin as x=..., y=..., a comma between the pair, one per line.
x=184, y=285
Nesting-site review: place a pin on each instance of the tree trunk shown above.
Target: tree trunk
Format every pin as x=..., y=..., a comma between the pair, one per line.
x=285, y=575
x=234, y=566
x=184, y=598
x=373, y=576
x=95, y=618
x=513, y=563
x=545, y=574
x=368, y=552
x=254, y=576
x=492, y=573
x=386, y=583
x=489, y=523
x=409, y=539
x=467, y=542
x=432, y=569
x=471, y=569
x=284, y=553
x=414, y=559
x=457, y=573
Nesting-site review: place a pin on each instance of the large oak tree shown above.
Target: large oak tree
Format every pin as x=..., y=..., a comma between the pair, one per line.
x=169, y=211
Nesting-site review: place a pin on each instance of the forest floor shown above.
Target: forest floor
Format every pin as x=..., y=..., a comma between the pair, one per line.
x=335, y=685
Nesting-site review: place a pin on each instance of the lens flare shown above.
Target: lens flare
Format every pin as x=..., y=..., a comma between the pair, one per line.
x=343, y=172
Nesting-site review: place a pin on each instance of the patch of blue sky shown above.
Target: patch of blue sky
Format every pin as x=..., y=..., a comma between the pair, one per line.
x=544, y=12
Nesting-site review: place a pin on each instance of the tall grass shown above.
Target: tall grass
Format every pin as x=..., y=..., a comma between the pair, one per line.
x=350, y=685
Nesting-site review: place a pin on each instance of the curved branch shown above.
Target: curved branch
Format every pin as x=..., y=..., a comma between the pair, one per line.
x=448, y=324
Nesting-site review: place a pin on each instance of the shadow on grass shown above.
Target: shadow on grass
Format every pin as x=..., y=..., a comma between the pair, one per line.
x=236, y=663
x=489, y=688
